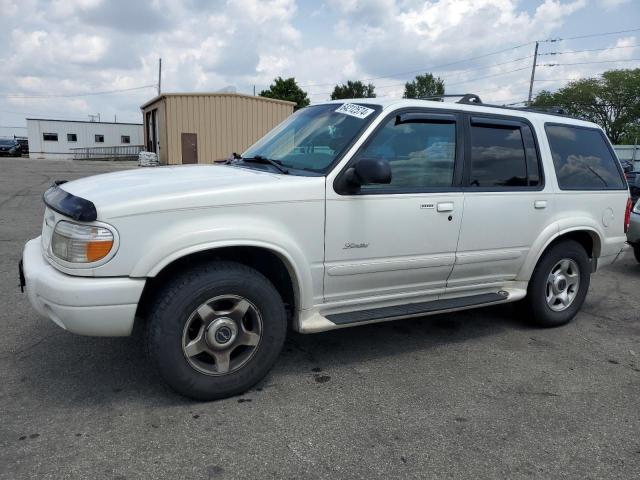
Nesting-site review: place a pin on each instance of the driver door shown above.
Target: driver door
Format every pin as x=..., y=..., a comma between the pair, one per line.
x=390, y=242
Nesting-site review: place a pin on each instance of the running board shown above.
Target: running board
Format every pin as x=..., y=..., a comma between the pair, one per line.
x=416, y=309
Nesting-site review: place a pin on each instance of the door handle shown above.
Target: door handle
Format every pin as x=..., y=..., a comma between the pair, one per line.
x=540, y=204
x=445, y=207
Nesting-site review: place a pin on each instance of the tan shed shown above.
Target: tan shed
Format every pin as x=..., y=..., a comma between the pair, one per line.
x=205, y=127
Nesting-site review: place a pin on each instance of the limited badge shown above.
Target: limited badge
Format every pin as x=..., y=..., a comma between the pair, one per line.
x=354, y=110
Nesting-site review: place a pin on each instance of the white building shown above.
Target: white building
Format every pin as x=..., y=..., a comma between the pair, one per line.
x=51, y=139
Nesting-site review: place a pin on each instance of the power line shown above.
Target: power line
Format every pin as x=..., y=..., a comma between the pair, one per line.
x=586, y=63
x=88, y=94
x=379, y=87
x=489, y=76
x=556, y=79
x=435, y=67
x=590, y=35
x=393, y=75
x=590, y=50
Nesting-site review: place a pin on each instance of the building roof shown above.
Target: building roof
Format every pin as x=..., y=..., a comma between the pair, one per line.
x=213, y=94
x=81, y=121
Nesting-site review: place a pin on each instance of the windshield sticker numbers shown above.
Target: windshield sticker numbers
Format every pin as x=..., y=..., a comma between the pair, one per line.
x=354, y=110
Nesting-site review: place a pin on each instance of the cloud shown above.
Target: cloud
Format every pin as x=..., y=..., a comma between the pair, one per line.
x=84, y=46
x=124, y=15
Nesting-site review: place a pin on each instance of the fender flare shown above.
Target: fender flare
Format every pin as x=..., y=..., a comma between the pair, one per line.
x=547, y=237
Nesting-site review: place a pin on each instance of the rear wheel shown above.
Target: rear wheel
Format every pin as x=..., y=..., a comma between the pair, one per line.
x=216, y=330
x=559, y=284
x=636, y=252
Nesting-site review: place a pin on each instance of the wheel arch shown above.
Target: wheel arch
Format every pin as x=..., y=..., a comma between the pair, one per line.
x=270, y=261
x=586, y=236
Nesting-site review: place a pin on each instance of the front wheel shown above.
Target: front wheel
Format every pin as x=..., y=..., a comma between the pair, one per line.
x=216, y=330
x=559, y=284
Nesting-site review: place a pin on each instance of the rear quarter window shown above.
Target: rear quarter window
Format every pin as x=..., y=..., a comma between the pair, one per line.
x=582, y=159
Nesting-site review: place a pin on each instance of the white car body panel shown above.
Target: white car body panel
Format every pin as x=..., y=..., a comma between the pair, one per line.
x=412, y=254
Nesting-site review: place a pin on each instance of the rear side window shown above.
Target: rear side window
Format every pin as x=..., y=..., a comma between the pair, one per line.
x=582, y=159
x=503, y=154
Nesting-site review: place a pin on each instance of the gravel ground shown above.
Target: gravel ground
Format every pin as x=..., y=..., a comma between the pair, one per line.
x=476, y=394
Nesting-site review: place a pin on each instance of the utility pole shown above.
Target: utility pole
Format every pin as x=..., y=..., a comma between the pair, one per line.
x=533, y=73
x=159, y=75
x=254, y=90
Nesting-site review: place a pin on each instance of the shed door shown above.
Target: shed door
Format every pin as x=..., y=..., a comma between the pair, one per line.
x=189, y=148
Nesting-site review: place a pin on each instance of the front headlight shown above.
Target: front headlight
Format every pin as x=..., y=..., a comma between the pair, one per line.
x=77, y=243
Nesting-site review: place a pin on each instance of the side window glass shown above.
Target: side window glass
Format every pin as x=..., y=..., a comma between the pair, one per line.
x=421, y=154
x=498, y=157
x=582, y=159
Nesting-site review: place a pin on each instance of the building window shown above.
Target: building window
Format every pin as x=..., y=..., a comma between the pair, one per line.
x=125, y=139
x=99, y=138
x=72, y=137
x=50, y=137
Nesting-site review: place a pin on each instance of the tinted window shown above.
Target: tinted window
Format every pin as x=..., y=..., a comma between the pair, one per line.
x=503, y=156
x=582, y=159
x=50, y=137
x=421, y=155
x=72, y=137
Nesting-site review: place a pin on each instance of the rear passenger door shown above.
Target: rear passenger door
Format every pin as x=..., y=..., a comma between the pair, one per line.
x=506, y=204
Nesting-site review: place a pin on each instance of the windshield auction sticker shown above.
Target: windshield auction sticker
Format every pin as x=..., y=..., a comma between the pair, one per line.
x=354, y=110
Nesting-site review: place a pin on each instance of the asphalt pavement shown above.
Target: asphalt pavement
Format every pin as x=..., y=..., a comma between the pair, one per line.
x=475, y=394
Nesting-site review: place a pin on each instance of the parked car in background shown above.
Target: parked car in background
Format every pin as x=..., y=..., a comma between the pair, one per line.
x=626, y=165
x=633, y=234
x=633, y=179
x=24, y=145
x=347, y=213
x=10, y=148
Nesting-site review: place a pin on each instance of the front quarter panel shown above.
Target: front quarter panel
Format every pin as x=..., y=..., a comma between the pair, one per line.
x=292, y=230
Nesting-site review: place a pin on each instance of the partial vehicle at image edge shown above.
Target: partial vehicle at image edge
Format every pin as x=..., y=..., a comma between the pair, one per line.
x=10, y=147
x=633, y=234
x=347, y=213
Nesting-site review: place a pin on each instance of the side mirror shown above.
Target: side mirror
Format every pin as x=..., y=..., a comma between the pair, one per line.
x=368, y=171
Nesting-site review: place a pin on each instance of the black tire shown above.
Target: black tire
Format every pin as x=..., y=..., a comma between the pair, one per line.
x=175, y=305
x=538, y=308
x=636, y=252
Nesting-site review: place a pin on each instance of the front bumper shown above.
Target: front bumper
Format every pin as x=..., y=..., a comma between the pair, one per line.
x=102, y=307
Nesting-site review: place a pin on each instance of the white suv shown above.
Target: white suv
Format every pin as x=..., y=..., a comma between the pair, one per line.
x=347, y=213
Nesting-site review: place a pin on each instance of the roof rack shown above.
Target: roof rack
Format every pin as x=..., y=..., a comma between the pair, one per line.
x=473, y=99
x=551, y=110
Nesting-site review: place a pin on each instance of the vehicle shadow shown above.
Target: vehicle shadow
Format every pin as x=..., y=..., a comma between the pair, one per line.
x=73, y=371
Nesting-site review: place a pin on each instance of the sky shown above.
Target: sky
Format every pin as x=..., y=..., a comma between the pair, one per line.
x=64, y=58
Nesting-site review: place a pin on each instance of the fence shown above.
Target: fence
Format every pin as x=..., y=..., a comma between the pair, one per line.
x=126, y=152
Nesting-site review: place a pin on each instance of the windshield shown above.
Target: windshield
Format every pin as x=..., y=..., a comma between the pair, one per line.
x=314, y=137
x=7, y=142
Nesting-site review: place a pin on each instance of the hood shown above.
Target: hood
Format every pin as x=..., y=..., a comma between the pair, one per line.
x=147, y=190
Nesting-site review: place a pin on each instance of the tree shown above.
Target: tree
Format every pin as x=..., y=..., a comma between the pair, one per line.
x=424, y=86
x=287, y=89
x=355, y=89
x=611, y=100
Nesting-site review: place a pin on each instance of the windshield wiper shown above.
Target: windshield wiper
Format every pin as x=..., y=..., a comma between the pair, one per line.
x=261, y=159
